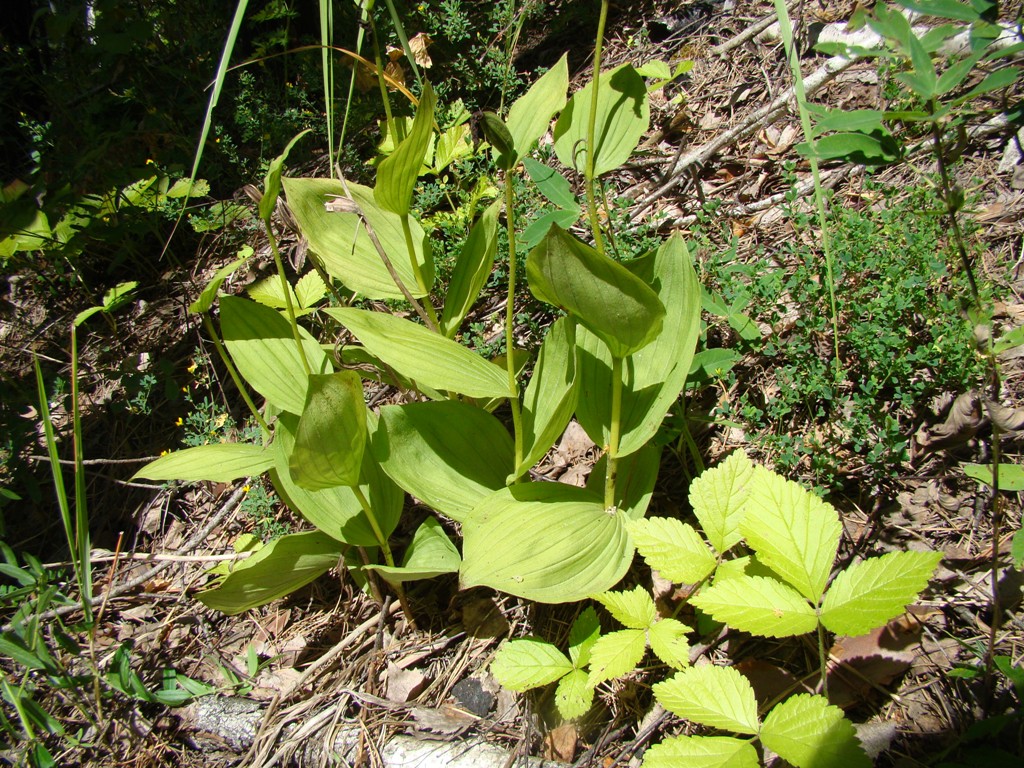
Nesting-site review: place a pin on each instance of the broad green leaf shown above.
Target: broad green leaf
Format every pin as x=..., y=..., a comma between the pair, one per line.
x=616, y=654
x=758, y=605
x=397, y=174
x=922, y=80
x=329, y=440
x=450, y=455
x=673, y=548
x=668, y=641
x=337, y=511
x=718, y=497
x=582, y=636
x=637, y=474
x=431, y=553
x=946, y=9
x=550, y=397
x=655, y=375
x=702, y=752
x=262, y=345
x=206, y=298
x=421, y=355
x=529, y=117
x=219, y=463
x=634, y=610
x=618, y=307
x=876, y=148
x=345, y=248
x=538, y=228
x=573, y=696
x=853, y=120
x=718, y=697
x=957, y=73
x=809, y=732
x=520, y=665
x=281, y=567
x=794, y=532
x=553, y=185
x=711, y=364
x=472, y=269
x=1017, y=548
x=500, y=139
x=1001, y=78
x=623, y=116
x=272, y=182
x=548, y=542
x=1011, y=476
x=870, y=592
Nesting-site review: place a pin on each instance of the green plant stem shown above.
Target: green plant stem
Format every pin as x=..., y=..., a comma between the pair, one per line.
x=953, y=202
x=385, y=549
x=510, y=360
x=823, y=658
x=686, y=438
x=786, y=31
x=612, y=467
x=393, y=129
x=286, y=289
x=233, y=372
x=421, y=282
x=83, y=560
x=595, y=225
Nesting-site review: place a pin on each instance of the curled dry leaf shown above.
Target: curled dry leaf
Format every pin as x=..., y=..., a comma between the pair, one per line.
x=418, y=44
x=963, y=422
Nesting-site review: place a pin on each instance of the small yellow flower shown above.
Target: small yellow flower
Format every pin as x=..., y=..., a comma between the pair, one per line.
x=179, y=422
x=192, y=368
x=150, y=161
x=246, y=488
x=164, y=452
x=184, y=389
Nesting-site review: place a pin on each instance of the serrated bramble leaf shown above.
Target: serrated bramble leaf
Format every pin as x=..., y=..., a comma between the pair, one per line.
x=582, y=636
x=702, y=752
x=718, y=697
x=718, y=497
x=529, y=663
x=870, y=592
x=615, y=654
x=673, y=548
x=634, y=609
x=573, y=696
x=794, y=532
x=758, y=605
x=748, y=565
x=809, y=732
x=668, y=641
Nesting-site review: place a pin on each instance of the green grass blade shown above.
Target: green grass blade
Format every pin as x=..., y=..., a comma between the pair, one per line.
x=327, y=64
x=83, y=560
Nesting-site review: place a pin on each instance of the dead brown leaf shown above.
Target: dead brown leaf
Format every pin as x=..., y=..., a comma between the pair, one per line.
x=440, y=723
x=403, y=685
x=560, y=743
